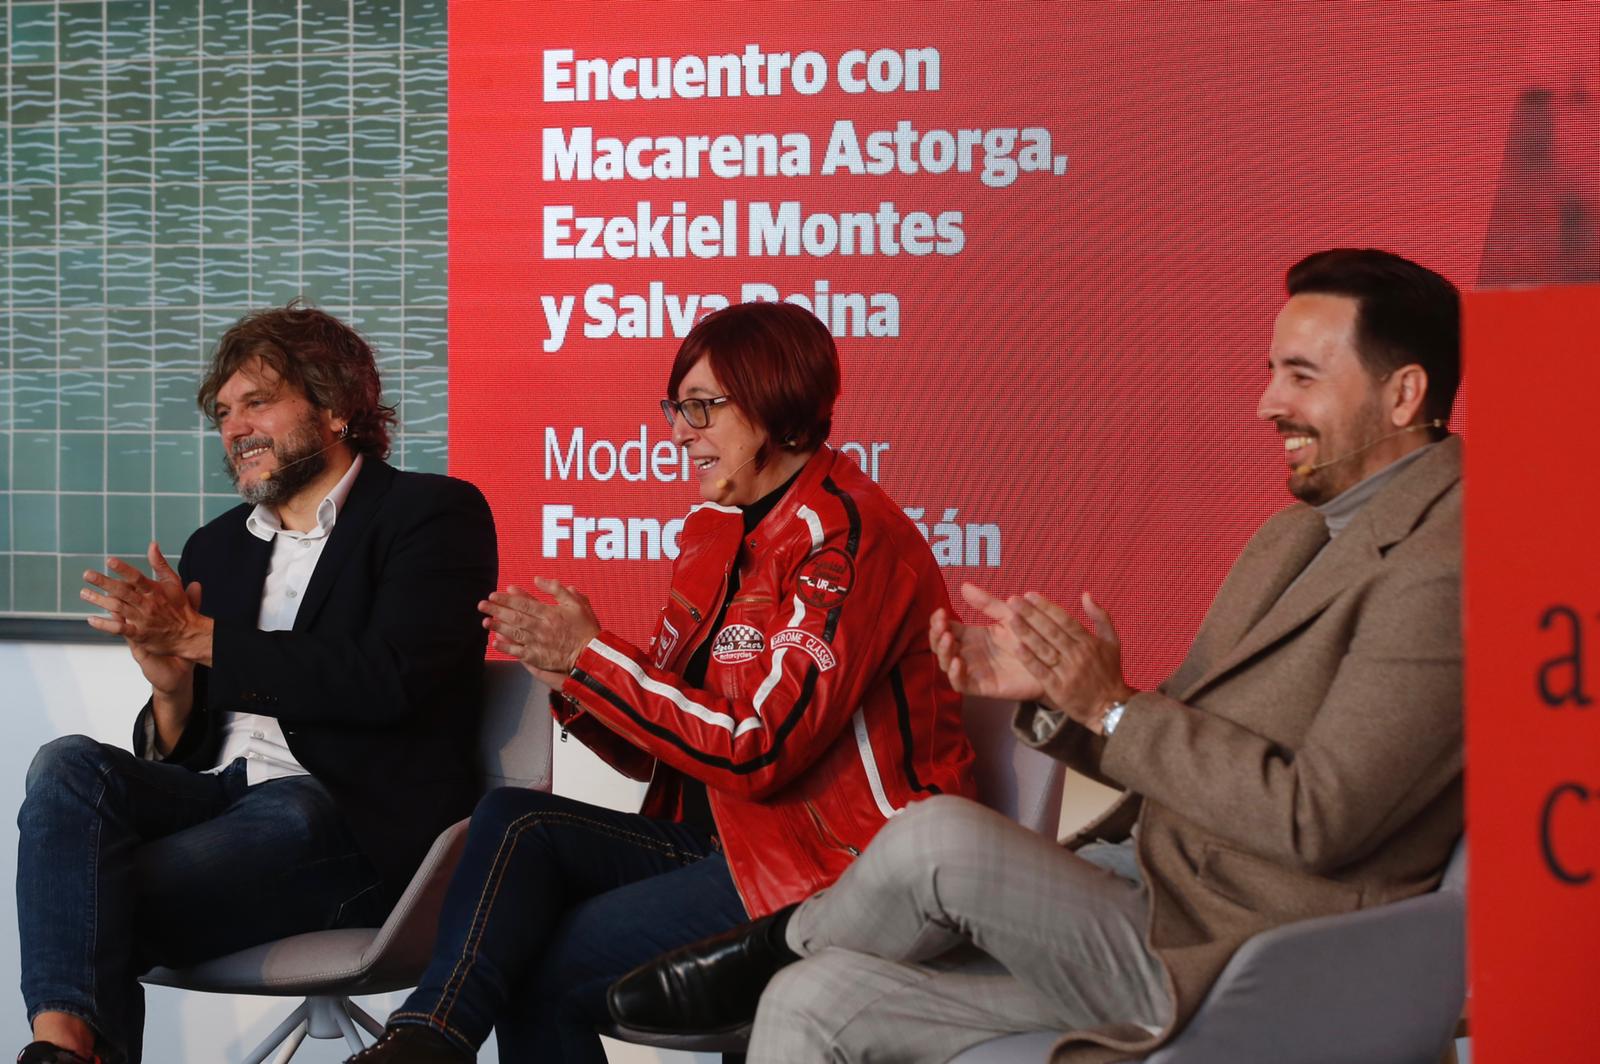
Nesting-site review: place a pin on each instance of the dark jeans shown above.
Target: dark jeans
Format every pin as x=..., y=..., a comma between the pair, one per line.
x=124, y=864
x=552, y=901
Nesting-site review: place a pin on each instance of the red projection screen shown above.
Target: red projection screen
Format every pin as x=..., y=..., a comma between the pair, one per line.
x=1050, y=239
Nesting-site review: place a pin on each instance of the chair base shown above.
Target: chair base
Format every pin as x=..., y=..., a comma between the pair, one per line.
x=318, y=1016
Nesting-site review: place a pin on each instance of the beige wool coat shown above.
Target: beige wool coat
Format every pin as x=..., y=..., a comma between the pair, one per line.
x=1305, y=759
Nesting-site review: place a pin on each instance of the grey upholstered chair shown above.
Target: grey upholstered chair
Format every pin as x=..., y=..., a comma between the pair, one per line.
x=326, y=967
x=1013, y=779
x=1378, y=986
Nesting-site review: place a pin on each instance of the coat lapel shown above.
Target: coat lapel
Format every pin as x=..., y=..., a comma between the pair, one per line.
x=232, y=591
x=1383, y=522
x=355, y=518
x=1344, y=562
x=1256, y=582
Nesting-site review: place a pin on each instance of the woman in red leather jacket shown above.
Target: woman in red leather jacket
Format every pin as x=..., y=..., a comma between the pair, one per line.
x=786, y=707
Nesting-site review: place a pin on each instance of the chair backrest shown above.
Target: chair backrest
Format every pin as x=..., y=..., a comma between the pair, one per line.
x=514, y=741
x=1013, y=779
x=1384, y=983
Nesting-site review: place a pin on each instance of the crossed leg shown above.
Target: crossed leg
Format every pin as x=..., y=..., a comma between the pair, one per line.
x=956, y=926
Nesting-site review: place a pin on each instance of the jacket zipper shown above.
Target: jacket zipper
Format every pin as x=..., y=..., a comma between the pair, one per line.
x=694, y=611
x=829, y=836
x=688, y=653
x=695, y=614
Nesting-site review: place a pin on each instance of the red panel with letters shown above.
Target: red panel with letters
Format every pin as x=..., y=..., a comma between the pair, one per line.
x=1533, y=675
x=1050, y=239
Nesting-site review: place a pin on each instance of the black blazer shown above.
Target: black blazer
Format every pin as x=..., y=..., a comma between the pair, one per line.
x=378, y=685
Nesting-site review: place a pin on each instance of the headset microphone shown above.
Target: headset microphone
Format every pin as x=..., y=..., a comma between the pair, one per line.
x=268, y=474
x=723, y=482
x=1308, y=468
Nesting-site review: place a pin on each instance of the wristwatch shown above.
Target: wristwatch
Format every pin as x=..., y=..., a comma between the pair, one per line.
x=1112, y=717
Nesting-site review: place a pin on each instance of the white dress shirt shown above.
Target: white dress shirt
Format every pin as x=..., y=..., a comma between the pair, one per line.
x=257, y=739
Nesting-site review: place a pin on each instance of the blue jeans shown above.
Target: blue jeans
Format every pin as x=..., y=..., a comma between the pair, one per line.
x=553, y=900
x=125, y=864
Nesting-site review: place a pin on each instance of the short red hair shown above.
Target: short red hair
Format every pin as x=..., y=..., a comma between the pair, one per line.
x=777, y=361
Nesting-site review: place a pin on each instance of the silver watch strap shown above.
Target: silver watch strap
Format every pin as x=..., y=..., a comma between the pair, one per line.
x=1112, y=717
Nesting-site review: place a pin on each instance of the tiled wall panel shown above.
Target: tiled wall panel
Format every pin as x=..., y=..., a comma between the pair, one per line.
x=167, y=165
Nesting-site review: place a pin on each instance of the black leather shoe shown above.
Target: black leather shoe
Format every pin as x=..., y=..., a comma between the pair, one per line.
x=50, y=1053
x=705, y=987
x=412, y=1043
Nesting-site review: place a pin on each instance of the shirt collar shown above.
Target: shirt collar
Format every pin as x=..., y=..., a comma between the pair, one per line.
x=264, y=524
x=1340, y=510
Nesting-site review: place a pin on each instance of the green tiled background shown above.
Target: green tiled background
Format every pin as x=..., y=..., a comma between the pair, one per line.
x=167, y=165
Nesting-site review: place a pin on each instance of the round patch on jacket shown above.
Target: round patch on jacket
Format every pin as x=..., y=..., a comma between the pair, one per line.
x=826, y=578
x=736, y=643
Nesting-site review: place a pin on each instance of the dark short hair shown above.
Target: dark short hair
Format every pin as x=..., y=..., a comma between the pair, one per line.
x=327, y=360
x=777, y=361
x=1406, y=314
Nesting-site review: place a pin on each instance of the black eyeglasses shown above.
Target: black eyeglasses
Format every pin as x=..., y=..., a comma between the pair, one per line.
x=697, y=412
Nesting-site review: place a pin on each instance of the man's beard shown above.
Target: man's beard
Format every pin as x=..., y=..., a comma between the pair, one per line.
x=1343, y=470
x=301, y=459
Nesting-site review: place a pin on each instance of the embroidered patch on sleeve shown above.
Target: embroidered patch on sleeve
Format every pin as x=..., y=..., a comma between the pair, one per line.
x=826, y=578
x=811, y=644
x=665, y=641
x=736, y=643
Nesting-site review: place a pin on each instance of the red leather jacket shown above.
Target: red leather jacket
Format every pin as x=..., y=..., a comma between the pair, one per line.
x=824, y=712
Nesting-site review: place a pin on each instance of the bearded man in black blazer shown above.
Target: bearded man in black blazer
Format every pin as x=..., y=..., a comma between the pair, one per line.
x=315, y=668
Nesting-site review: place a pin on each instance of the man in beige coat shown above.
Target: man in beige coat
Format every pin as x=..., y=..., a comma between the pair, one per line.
x=1304, y=759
